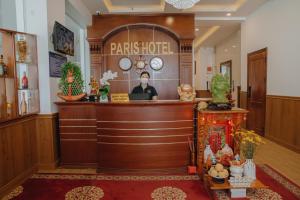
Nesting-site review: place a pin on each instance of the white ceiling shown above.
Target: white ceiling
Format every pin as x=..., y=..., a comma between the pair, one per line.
x=210, y=15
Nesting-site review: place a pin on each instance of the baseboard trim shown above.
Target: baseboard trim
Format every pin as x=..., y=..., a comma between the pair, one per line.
x=6, y=189
x=291, y=147
x=48, y=166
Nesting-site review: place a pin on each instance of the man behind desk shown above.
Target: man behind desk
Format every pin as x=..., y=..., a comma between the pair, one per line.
x=144, y=87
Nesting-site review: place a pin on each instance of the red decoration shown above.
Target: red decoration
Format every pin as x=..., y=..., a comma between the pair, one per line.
x=24, y=81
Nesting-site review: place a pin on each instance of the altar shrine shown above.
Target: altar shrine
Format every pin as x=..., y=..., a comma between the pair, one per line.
x=215, y=125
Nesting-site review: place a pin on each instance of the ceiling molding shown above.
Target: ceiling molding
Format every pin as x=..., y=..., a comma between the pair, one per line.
x=217, y=8
x=207, y=34
x=220, y=18
x=133, y=9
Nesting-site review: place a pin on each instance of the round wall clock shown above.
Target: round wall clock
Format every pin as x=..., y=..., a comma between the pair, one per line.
x=156, y=63
x=125, y=63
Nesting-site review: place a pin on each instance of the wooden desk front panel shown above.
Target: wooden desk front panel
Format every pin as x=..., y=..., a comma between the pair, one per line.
x=78, y=135
x=144, y=136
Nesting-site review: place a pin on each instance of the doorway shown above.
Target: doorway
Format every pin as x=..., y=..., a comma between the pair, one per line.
x=257, y=90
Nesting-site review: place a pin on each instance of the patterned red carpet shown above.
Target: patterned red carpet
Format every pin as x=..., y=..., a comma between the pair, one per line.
x=106, y=187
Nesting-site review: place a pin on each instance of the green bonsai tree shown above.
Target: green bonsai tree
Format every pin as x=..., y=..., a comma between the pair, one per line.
x=71, y=83
x=220, y=88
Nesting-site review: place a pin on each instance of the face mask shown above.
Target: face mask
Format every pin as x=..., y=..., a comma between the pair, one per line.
x=144, y=80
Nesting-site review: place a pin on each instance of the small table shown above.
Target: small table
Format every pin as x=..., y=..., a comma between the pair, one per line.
x=236, y=192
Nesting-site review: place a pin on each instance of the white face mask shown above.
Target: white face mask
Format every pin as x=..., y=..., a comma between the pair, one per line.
x=144, y=80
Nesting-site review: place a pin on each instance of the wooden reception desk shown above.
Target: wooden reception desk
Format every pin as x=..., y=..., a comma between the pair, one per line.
x=126, y=136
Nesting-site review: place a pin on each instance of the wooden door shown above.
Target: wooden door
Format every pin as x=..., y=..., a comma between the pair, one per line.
x=256, y=101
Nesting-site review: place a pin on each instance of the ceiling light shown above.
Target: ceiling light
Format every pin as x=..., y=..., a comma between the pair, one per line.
x=226, y=50
x=182, y=4
x=169, y=20
x=228, y=14
x=196, y=29
x=233, y=46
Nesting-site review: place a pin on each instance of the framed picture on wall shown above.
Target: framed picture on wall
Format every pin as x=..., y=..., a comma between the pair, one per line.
x=55, y=62
x=226, y=69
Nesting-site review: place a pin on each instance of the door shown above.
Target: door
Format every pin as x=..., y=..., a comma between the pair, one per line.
x=257, y=87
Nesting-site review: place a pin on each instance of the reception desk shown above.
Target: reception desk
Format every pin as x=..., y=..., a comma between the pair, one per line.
x=138, y=135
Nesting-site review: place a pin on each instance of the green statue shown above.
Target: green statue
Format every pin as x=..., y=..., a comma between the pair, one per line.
x=220, y=88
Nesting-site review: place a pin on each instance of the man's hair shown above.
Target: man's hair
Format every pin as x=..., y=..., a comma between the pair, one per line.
x=145, y=72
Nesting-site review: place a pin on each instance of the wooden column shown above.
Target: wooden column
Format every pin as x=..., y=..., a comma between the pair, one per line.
x=186, y=61
x=96, y=57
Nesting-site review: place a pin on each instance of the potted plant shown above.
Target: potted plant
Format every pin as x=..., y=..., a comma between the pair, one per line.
x=248, y=144
x=71, y=83
x=105, y=85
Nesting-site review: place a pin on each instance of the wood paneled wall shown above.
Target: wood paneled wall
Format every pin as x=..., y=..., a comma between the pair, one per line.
x=178, y=29
x=283, y=121
x=165, y=81
x=26, y=145
x=18, y=152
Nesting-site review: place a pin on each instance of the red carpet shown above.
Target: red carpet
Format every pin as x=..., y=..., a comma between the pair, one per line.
x=105, y=187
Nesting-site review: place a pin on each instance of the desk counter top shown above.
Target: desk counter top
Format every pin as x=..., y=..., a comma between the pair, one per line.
x=132, y=102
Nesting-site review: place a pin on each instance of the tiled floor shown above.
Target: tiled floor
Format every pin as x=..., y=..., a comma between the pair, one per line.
x=280, y=158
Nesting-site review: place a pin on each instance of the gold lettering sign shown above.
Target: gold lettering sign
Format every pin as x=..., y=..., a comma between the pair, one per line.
x=138, y=48
x=119, y=97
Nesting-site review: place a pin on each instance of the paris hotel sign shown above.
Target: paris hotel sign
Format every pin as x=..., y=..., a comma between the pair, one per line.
x=140, y=48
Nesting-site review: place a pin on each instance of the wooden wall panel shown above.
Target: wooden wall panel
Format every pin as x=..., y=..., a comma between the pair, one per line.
x=182, y=24
x=243, y=99
x=47, y=141
x=26, y=145
x=165, y=81
x=178, y=29
x=283, y=121
x=18, y=152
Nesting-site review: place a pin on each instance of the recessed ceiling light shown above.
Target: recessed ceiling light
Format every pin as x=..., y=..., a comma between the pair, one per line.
x=226, y=50
x=228, y=14
x=170, y=20
x=196, y=29
x=233, y=46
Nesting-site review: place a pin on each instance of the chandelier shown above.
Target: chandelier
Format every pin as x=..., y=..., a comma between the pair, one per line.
x=182, y=4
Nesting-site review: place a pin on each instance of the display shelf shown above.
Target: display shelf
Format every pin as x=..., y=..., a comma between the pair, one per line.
x=19, y=91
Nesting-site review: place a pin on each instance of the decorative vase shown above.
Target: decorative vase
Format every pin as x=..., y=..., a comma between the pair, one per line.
x=250, y=169
x=104, y=98
x=207, y=152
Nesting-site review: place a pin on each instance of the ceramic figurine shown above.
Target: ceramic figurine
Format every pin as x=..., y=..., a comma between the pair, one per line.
x=186, y=92
x=227, y=150
x=207, y=152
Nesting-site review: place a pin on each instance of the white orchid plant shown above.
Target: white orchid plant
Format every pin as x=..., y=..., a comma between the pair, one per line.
x=109, y=75
x=104, y=82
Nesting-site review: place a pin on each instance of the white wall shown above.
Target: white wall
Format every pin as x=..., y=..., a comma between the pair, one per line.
x=35, y=21
x=204, y=56
x=230, y=49
x=8, y=14
x=275, y=25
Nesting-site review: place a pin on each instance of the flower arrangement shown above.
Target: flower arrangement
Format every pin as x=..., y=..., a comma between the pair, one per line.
x=105, y=85
x=249, y=142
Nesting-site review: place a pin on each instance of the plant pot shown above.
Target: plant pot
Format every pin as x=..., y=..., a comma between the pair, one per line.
x=250, y=169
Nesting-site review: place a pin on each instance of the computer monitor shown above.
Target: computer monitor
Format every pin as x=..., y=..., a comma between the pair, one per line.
x=139, y=96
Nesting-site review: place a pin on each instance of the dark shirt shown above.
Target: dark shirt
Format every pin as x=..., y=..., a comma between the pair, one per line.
x=149, y=89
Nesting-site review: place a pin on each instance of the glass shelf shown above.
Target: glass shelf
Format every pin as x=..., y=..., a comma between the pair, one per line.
x=19, y=91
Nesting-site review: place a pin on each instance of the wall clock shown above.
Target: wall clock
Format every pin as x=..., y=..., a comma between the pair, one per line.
x=156, y=63
x=140, y=64
x=125, y=63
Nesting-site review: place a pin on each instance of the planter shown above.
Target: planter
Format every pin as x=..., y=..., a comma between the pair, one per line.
x=250, y=169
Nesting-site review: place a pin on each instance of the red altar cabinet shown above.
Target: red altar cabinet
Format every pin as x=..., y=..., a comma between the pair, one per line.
x=216, y=128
